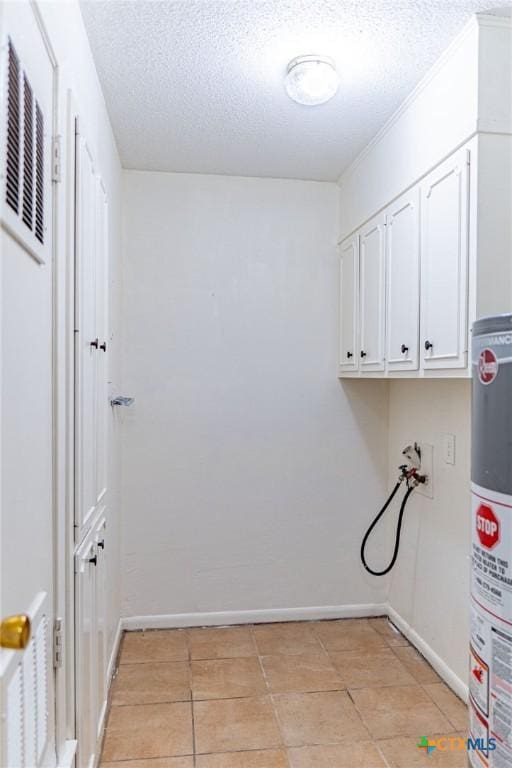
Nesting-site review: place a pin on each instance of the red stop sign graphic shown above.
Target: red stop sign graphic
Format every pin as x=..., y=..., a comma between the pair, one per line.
x=487, y=526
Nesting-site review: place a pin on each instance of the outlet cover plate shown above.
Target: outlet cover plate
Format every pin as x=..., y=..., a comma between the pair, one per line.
x=427, y=468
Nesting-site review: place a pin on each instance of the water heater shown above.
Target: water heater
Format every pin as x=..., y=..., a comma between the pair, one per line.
x=491, y=543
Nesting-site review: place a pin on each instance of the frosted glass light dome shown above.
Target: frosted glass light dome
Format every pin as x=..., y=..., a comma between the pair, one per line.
x=311, y=80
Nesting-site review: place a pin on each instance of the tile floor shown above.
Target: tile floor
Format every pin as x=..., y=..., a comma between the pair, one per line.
x=331, y=694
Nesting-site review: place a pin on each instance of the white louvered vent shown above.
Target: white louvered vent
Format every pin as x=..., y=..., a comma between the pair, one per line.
x=25, y=158
x=12, y=155
x=28, y=154
x=39, y=188
x=24, y=700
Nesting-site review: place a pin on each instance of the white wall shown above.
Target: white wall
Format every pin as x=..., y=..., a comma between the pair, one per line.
x=249, y=472
x=430, y=584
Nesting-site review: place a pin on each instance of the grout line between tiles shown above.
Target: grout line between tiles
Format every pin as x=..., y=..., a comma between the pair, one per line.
x=423, y=686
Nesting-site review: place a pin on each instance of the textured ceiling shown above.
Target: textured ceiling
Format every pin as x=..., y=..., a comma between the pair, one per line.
x=197, y=85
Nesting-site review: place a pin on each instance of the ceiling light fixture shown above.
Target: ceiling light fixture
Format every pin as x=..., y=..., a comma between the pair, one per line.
x=311, y=80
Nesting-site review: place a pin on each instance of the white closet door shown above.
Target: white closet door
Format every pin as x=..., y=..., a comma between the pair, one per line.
x=372, y=293
x=349, y=287
x=100, y=539
x=444, y=238
x=86, y=653
x=86, y=339
x=101, y=291
x=403, y=282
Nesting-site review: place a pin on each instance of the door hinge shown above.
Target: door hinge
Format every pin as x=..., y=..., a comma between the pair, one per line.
x=58, y=641
x=468, y=156
x=57, y=159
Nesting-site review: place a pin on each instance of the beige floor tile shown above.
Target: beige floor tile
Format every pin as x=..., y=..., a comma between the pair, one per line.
x=150, y=730
x=300, y=674
x=159, y=762
x=365, y=669
x=154, y=645
x=318, y=718
x=270, y=758
x=449, y=704
x=229, y=725
x=227, y=678
x=289, y=639
x=403, y=752
x=350, y=755
x=221, y=643
x=390, y=635
x=419, y=668
x=348, y=635
x=151, y=683
x=404, y=710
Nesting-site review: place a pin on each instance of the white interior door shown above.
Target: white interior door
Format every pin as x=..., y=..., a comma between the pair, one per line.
x=87, y=341
x=91, y=413
x=27, y=703
x=101, y=291
x=403, y=282
x=444, y=256
x=349, y=286
x=86, y=662
x=372, y=294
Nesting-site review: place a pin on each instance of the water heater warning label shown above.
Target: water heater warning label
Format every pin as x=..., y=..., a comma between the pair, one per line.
x=491, y=624
x=491, y=584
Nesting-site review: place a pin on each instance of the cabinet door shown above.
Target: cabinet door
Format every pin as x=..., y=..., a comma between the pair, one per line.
x=403, y=282
x=349, y=286
x=444, y=239
x=372, y=294
x=85, y=635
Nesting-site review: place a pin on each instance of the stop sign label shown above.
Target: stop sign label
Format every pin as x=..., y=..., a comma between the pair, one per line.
x=487, y=526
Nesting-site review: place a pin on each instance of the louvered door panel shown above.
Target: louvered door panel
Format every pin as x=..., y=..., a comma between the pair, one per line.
x=13, y=132
x=26, y=155
x=24, y=695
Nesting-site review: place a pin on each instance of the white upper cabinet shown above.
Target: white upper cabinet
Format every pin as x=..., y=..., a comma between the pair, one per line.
x=372, y=266
x=349, y=289
x=403, y=282
x=447, y=237
x=444, y=258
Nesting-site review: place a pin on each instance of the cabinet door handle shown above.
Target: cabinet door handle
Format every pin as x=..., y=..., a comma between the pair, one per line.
x=428, y=345
x=404, y=349
x=349, y=355
x=363, y=353
x=104, y=346
x=94, y=343
x=93, y=560
x=101, y=544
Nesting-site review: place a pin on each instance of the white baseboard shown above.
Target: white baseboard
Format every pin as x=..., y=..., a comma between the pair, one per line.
x=266, y=615
x=115, y=650
x=448, y=675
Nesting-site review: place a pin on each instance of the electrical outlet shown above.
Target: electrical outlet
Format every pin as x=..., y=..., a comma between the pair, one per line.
x=449, y=449
x=426, y=468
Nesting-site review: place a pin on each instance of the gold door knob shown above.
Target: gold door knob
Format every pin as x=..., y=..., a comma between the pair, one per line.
x=15, y=632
